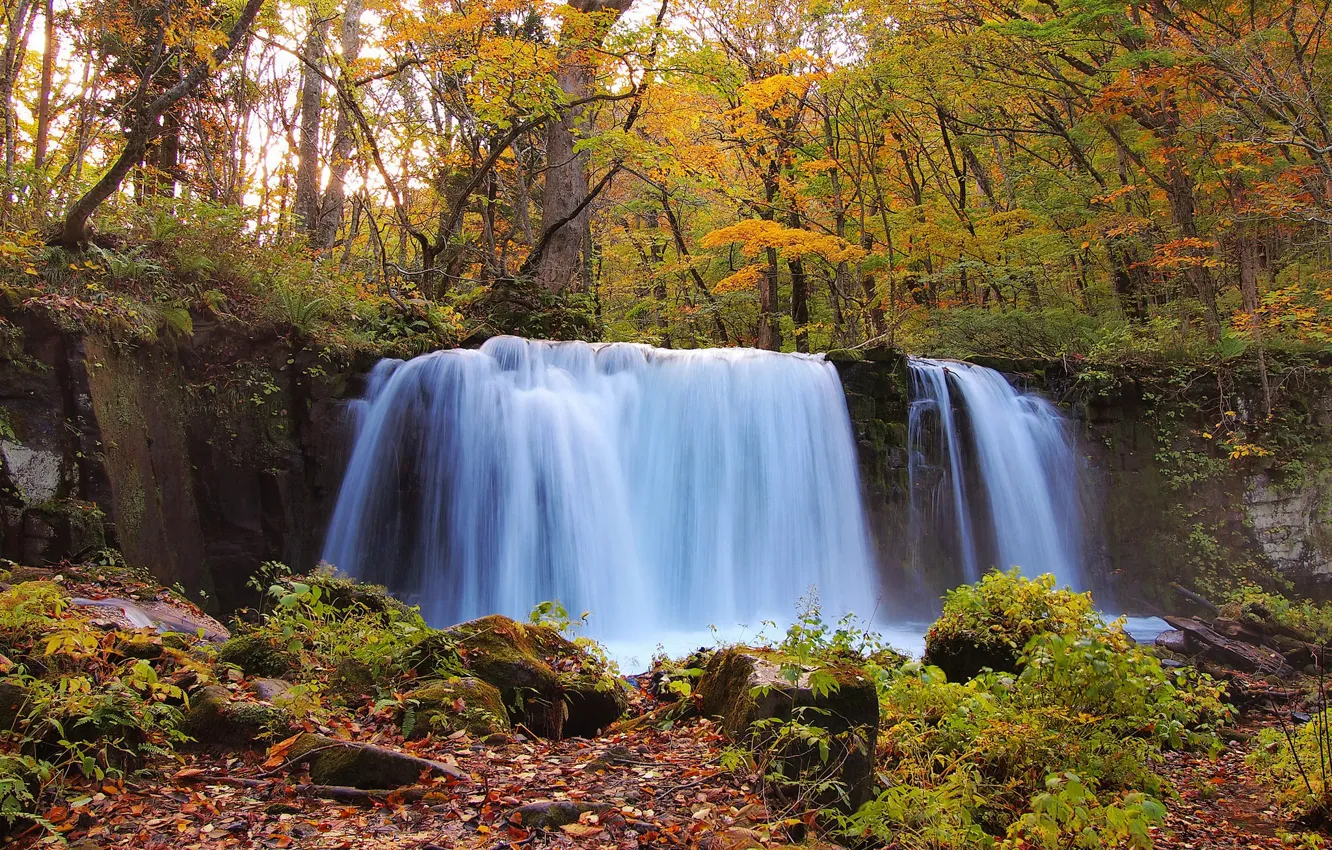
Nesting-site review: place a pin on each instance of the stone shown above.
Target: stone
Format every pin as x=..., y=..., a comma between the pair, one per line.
x=521, y=660
x=139, y=646
x=458, y=704
x=553, y=814
x=13, y=700
x=742, y=686
x=352, y=678
x=216, y=721
x=269, y=689
x=34, y=472
x=257, y=656
x=365, y=766
x=594, y=703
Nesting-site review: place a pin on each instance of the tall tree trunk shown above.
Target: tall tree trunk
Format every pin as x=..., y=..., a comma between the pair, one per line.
x=769, y=327
x=141, y=130
x=1249, y=261
x=11, y=61
x=335, y=196
x=50, y=48
x=306, y=206
x=566, y=171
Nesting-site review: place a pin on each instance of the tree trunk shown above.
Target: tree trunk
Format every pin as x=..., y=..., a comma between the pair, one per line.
x=770, y=327
x=11, y=60
x=306, y=206
x=335, y=196
x=74, y=229
x=566, y=172
x=49, y=50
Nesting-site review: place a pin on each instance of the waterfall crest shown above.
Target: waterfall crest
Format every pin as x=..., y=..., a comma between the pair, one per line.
x=1012, y=483
x=654, y=488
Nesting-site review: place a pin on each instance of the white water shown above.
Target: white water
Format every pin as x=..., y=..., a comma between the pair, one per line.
x=1026, y=467
x=663, y=491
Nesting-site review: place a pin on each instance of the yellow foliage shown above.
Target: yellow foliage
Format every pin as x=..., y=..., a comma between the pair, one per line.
x=747, y=278
x=757, y=235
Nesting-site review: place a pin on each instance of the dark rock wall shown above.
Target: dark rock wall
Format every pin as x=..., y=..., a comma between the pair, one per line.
x=199, y=459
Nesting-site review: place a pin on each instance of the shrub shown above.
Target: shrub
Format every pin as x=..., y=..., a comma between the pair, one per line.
x=987, y=624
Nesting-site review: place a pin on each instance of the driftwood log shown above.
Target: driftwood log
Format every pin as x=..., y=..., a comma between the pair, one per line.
x=1201, y=639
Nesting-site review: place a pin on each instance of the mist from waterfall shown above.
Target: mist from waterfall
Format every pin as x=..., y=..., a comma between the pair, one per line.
x=656, y=489
x=996, y=471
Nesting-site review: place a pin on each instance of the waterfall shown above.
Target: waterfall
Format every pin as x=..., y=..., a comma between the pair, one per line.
x=1021, y=504
x=653, y=488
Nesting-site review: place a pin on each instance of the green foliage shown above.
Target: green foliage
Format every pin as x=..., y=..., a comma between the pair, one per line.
x=1068, y=814
x=987, y=624
x=1058, y=754
x=1249, y=602
x=20, y=778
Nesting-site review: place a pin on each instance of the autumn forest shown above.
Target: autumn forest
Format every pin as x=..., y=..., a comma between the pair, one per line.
x=1092, y=178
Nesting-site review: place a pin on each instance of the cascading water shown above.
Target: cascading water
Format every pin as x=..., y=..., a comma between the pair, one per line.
x=654, y=488
x=1024, y=498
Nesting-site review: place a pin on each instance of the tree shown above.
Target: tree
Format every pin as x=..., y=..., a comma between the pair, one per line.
x=144, y=123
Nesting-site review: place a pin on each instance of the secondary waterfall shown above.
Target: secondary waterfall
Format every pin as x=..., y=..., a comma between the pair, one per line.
x=1005, y=473
x=653, y=488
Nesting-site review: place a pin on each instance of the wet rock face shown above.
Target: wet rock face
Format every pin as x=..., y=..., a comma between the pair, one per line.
x=1292, y=523
x=743, y=686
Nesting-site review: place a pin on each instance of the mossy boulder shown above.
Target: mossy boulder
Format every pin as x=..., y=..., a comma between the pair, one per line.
x=335, y=762
x=988, y=624
x=531, y=666
x=217, y=721
x=435, y=654
x=742, y=686
x=257, y=655
x=352, y=678
x=13, y=700
x=594, y=700
x=553, y=814
x=139, y=646
x=457, y=704
x=348, y=596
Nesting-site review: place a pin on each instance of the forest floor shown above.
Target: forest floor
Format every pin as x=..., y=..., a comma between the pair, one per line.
x=1221, y=803
x=662, y=789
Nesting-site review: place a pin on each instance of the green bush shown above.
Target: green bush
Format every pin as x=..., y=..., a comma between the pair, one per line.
x=987, y=624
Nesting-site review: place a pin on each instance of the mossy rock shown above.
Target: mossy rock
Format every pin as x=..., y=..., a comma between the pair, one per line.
x=348, y=596
x=458, y=704
x=742, y=686
x=549, y=684
x=13, y=700
x=216, y=721
x=256, y=655
x=140, y=646
x=502, y=652
x=352, y=678
x=594, y=702
x=335, y=762
x=553, y=814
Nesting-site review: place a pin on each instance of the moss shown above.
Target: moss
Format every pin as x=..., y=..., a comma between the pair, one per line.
x=216, y=721
x=255, y=655
x=457, y=704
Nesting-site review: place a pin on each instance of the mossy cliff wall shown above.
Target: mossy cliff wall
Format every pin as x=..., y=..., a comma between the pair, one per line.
x=1194, y=483
x=199, y=458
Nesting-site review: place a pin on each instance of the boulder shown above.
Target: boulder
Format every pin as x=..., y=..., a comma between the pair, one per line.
x=365, y=766
x=256, y=655
x=13, y=700
x=352, y=678
x=742, y=686
x=270, y=690
x=549, y=684
x=217, y=721
x=553, y=814
x=457, y=704
x=594, y=702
